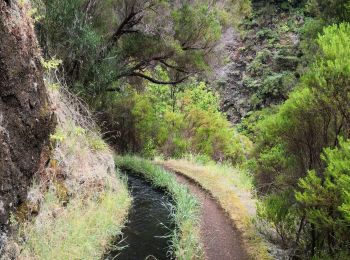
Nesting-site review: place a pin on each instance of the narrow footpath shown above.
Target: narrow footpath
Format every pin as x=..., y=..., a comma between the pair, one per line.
x=221, y=240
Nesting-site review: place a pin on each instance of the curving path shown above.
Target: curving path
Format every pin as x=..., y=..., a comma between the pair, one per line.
x=221, y=240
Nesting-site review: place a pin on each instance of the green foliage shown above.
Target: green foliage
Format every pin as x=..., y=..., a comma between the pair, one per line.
x=175, y=120
x=67, y=30
x=258, y=66
x=271, y=86
x=273, y=167
x=51, y=64
x=330, y=10
x=325, y=198
x=290, y=142
x=330, y=75
x=213, y=136
x=309, y=32
x=271, y=48
x=314, y=114
x=199, y=127
x=194, y=20
x=108, y=42
x=109, y=48
x=199, y=97
x=276, y=209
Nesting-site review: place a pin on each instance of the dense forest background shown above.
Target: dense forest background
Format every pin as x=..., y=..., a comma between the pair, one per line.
x=151, y=71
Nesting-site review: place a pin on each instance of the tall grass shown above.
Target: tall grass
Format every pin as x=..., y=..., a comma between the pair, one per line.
x=185, y=239
x=83, y=230
x=237, y=177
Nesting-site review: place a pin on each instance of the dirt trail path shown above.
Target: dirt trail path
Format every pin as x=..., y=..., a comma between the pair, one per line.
x=221, y=240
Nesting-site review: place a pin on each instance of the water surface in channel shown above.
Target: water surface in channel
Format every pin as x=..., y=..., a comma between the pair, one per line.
x=146, y=235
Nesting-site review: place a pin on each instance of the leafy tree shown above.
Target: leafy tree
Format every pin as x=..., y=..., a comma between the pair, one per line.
x=317, y=112
x=101, y=42
x=152, y=125
x=290, y=143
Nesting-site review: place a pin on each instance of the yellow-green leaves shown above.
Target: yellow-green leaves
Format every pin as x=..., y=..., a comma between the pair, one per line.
x=50, y=65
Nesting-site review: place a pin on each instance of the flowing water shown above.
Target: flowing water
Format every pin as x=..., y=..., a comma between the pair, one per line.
x=146, y=235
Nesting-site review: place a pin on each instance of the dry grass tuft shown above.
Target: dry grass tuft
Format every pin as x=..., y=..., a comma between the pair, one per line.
x=81, y=160
x=82, y=230
x=233, y=190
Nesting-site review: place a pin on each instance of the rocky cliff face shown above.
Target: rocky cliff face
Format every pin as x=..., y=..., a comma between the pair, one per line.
x=25, y=116
x=263, y=59
x=229, y=79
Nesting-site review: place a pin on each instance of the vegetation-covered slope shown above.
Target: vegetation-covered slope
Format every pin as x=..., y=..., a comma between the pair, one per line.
x=264, y=58
x=298, y=147
x=146, y=69
x=299, y=160
x=60, y=195
x=77, y=205
x=144, y=78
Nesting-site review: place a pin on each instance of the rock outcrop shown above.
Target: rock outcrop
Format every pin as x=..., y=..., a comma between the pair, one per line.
x=25, y=114
x=229, y=79
x=263, y=59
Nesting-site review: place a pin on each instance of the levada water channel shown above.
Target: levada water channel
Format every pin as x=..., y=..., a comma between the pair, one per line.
x=147, y=234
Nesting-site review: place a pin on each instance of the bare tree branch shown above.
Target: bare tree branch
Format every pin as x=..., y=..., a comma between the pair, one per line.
x=173, y=67
x=153, y=80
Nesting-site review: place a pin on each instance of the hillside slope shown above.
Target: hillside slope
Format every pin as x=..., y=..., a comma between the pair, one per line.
x=60, y=197
x=263, y=59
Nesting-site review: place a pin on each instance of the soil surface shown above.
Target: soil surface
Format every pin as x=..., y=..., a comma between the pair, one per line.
x=221, y=240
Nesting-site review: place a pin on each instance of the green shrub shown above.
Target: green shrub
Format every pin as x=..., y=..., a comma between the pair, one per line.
x=276, y=209
x=325, y=199
x=213, y=136
x=259, y=66
x=175, y=121
x=330, y=10
x=291, y=152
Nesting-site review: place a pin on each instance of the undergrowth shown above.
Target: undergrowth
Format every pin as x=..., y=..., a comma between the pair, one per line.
x=185, y=239
x=78, y=203
x=83, y=230
x=239, y=178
